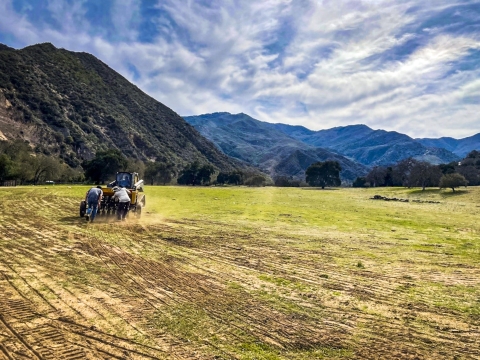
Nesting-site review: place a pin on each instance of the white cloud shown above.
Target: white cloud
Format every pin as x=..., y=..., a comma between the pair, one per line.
x=11, y=22
x=69, y=16
x=125, y=13
x=315, y=63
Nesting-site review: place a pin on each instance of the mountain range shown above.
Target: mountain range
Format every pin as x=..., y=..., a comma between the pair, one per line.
x=267, y=146
x=372, y=147
x=460, y=147
x=287, y=150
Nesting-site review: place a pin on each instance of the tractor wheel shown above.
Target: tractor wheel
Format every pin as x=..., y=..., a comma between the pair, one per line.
x=83, y=208
x=138, y=211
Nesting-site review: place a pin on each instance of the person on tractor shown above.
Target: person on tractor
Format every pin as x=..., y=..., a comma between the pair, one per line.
x=93, y=199
x=124, y=180
x=121, y=194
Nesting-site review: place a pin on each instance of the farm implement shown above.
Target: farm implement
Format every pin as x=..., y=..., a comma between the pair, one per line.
x=108, y=205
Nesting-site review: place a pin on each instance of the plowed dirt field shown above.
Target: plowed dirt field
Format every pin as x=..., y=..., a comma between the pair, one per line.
x=204, y=288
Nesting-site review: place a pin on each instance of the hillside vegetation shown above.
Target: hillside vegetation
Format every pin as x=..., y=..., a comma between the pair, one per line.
x=73, y=105
x=242, y=273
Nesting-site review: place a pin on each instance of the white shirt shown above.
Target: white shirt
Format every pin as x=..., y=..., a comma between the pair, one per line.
x=122, y=195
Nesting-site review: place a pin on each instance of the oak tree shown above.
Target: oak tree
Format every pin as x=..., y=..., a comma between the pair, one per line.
x=323, y=174
x=452, y=181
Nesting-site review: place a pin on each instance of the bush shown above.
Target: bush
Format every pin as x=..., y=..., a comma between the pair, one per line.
x=256, y=180
x=360, y=182
x=283, y=181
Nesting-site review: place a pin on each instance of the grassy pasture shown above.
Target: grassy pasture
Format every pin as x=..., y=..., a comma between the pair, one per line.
x=242, y=273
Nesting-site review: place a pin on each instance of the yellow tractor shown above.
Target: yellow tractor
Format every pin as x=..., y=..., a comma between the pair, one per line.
x=108, y=205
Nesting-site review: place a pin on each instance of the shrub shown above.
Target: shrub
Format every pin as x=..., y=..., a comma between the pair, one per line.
x=256, y=180
x=283, y=181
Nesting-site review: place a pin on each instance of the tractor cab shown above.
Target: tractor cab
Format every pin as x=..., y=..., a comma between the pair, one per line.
x=126, y=180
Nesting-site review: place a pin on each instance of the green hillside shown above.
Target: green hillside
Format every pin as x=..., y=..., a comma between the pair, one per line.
x=72, y=105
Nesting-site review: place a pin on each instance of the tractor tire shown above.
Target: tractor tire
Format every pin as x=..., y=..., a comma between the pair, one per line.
x=138, y=211
x=83, y=208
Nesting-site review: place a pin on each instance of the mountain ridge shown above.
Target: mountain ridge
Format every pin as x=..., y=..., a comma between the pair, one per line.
x=71, y=104
x=282, y=155
x=375, y=147
x=461, y=147
x=263, y=145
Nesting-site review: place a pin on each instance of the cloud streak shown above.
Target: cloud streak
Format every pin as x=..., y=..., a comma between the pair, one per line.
x=405, y=66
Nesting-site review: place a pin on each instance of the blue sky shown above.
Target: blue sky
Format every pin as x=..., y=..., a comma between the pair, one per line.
x=408, y=66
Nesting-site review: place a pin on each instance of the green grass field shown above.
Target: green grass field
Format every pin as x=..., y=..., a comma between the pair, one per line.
x=243, y=273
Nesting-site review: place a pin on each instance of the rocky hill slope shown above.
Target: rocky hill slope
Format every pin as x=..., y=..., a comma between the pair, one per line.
x=72, y=105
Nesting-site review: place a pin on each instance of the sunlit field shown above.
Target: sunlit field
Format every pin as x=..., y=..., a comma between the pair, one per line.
x=242, y=273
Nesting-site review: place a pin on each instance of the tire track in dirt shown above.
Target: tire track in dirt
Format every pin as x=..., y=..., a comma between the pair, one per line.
x=134, y=295
x=265, y=331
x=266, y=325
x=34, y=251
x=21, y=312
x=122, y=261
x=333, y=323
x=29, y=333
x=384, y=288
x=139, y=288
x=30, y=327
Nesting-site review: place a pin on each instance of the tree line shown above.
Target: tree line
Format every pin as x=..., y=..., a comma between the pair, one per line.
x=20, y=164
x=23, y=165
x=106, y=164
x=415, y=173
